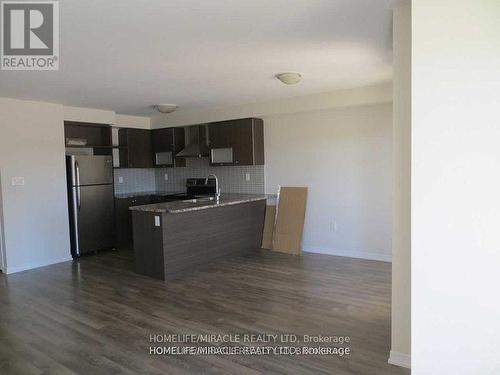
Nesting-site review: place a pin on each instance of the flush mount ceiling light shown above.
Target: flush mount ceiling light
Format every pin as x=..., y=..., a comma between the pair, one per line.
x=289, y=78
x=166, y=108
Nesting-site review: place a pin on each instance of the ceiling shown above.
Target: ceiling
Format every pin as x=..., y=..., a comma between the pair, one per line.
x=127, y=55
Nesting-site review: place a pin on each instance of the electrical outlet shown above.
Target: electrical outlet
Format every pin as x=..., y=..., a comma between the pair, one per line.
x=166, y=176
x=17, y=181
x=120, y=179
x=247, y=176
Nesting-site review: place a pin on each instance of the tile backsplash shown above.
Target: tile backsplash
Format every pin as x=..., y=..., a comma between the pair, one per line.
x=134, y=180
x=231, y=179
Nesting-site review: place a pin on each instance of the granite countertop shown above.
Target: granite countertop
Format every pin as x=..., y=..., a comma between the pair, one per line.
x=145, y=193
x=187, y=206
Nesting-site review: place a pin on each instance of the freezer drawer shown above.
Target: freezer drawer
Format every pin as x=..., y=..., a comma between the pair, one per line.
x=93, y=218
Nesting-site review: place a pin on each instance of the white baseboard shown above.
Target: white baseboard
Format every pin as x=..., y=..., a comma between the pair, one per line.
x=399, y=359
x=351, y=254
x=25, y=267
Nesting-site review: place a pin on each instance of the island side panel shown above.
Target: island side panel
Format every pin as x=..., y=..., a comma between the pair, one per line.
x=148, y=244
x=195, y=238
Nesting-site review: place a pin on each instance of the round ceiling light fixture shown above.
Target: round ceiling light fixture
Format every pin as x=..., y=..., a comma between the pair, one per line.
x=289, y=78
x=166, y=108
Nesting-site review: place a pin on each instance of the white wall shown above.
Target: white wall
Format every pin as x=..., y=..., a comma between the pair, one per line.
x=381, y=93
x=455, y=187
x=100, y=116
x=35, y=216
x=401, y=232
x=2, y=244
x=344, y=157
x=125, y=121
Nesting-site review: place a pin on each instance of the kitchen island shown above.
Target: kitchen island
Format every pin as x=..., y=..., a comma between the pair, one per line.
x=174, y=238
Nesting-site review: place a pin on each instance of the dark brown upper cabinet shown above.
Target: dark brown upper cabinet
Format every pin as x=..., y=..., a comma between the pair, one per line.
x=167, y=142
x=94, y=135
x=137, y=150
x=237, y=142
x=88, y=135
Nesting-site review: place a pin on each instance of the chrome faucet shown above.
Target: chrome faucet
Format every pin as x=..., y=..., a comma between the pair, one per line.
x=217, y=189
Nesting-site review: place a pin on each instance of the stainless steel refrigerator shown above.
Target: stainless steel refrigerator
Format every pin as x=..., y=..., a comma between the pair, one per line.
x=91, y=203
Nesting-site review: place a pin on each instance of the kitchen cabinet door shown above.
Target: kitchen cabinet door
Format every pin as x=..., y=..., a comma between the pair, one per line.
x=221, y=143
x=163, y=139
x=138, y=151
x=220, y=134
x=244, y=137
x=123, y=221
x=179, y=144
x=169, y=141
x=123, y=217
x=242, y=142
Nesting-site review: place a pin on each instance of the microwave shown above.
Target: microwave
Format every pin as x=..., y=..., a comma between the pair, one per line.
x=164, y=158
x=221, y=155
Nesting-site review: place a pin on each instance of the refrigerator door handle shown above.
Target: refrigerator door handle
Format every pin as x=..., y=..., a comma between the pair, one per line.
x=77, y=170
x=78, y=198
x=78, y=191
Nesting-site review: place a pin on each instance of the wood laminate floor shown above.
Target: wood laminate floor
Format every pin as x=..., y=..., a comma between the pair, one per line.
x=95, y=315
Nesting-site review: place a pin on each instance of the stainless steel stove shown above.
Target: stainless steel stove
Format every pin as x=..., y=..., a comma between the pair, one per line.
x=195, y=188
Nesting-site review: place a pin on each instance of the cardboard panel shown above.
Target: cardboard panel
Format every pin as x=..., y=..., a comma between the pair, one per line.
x=267, y=236
x=290, y=216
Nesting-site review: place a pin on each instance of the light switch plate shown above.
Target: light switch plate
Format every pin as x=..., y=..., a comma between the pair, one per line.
x=17, y=181
x=120, y=180
x=166, y=176
x=247, y=176
x=333, y=226
x=157, y=221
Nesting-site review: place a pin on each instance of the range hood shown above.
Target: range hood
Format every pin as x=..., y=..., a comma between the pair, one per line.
x=196, y=142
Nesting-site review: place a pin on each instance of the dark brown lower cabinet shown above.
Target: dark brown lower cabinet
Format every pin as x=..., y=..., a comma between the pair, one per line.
x=123, y=217
x=169, y=245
